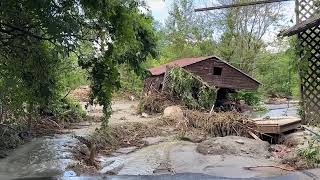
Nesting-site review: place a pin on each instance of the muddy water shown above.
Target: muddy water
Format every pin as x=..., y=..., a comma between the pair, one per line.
x=42, y=157
x=45, y=156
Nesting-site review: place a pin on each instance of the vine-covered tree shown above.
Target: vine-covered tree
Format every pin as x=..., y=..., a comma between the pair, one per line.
x=38, y=36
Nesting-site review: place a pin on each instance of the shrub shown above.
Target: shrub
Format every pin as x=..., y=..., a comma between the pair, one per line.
x=252, y=98
x=311, y=153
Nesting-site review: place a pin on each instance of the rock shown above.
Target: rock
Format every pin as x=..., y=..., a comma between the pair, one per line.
x=153, y=140
x=193, y=138
x=294, y=139
x=173, y=112
x=239, y=141
x=144, y=115
x=132, y=98
x=229, y=146
x=126, y=150
x=113, y=168
x=123, y=118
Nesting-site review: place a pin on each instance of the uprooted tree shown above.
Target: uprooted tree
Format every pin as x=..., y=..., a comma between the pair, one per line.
x=39, y=37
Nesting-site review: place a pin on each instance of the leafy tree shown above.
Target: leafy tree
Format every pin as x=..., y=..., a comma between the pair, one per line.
x=277, y=73
x=44, y=33
x=188, y=33
x=243, y=30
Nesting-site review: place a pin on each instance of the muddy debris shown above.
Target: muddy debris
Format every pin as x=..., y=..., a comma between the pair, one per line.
x=81, y=93
x=156, y=103
x=228, y=145
x=221, y=124
x=124, y=136
x=82, y=169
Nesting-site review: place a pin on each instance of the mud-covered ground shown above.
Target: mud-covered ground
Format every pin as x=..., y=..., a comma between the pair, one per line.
x=167, y=153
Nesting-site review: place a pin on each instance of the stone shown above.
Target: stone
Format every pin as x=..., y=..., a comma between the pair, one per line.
x=123, y=118
x=132, y=98
x=228, y=146
x=239, y=141
x=144, y=115
x=193, y=138
x=173, y=112
x=153, y=140
x=126, y=150
x=113, y=167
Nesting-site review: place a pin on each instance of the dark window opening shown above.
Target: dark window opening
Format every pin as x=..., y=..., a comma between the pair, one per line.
x=195, y=92
x=160, y=87
x=217, y=71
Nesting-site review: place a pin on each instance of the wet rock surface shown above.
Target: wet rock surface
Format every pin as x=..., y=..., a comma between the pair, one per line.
x=234, y=145
x=182, y=156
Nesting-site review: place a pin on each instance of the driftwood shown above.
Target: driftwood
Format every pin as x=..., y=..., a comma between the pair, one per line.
x=254, y=136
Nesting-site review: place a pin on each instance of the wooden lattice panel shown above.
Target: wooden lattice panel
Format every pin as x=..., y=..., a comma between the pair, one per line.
x=309, y=42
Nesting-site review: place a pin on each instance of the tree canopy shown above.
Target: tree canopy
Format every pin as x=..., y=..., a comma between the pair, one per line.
x=38, y=36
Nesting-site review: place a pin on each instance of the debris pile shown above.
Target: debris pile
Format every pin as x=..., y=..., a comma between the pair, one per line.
x=220, y=124
x=156, y=103
x=9, y=139
x=81, y=93
x=124, y=135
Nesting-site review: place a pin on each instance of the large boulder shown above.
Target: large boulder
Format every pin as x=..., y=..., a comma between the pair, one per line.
x=173, y=112
x=234, y=145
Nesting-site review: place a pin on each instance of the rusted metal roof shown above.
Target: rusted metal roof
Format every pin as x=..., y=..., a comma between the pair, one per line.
x=180, y=62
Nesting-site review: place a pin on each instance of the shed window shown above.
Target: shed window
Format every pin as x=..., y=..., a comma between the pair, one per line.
x=217, y=71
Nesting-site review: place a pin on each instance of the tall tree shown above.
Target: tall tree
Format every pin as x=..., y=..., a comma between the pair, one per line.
x=188, y=33
x=244, y=29
x=34, y=32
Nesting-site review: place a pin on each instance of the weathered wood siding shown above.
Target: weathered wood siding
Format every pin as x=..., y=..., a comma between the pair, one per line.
x=229, y=78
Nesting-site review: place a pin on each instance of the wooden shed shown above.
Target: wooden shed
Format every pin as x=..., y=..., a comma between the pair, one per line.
x=211, y=69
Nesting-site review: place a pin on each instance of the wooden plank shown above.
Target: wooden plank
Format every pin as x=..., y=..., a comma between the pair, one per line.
x=254, y=136
x=277, y=125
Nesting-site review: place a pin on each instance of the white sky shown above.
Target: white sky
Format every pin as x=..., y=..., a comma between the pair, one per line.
x=159, y=10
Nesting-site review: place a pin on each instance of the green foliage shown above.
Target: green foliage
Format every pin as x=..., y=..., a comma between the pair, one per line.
x=42, y=40
x=277, y=74
x=129, y=80
x=252, y=98
x=311, y=153
x=194, y=93
x=186, y=33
